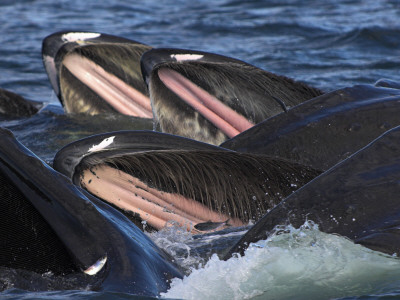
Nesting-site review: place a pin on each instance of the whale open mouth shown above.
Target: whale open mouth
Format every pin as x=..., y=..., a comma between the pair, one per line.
x=122, y=97
x=157, y=208
x=230, y=122
x=96, y=73
x=192, y=189
x=158, y=178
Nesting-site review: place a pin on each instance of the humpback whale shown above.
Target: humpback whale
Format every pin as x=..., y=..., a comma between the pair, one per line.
x=200, y=95
x=327, y=129
x=210, y=97
x=357, y=198
x=14, y=105
x=161, y=177
x=153, y=161
x=95, y=73
x=56, y=236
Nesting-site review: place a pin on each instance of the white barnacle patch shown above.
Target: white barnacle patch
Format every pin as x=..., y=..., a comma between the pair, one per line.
x=79, y=36
x=183, y=57
x=104, y=143
x=94, y=269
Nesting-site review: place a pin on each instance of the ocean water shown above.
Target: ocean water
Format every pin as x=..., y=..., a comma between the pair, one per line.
x=328, y=44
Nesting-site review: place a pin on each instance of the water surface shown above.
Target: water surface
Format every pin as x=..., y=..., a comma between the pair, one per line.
x=328, y=44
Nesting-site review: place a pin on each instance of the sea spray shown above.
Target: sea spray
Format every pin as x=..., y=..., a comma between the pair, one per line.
x=193, y=251
x=174, y=240
x=292, y=264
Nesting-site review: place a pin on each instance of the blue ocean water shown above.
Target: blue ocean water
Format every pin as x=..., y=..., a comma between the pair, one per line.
x=328, y=44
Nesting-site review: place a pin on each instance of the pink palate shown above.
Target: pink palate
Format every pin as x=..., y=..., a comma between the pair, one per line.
x=222, y=116
x=117, y=93
x=157, y=208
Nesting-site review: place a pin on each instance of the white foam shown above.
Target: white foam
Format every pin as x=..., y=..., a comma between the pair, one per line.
x=183, y=57
x=300, y=264
x=191, y=252
x=104, y=143
x=79, y=36
x=175, y=240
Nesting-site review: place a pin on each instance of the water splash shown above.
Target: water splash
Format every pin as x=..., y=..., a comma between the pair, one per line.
x=191, y=252
x=175, y=241
x=292, y=264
